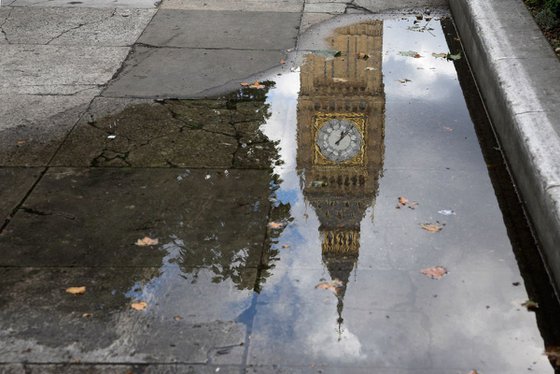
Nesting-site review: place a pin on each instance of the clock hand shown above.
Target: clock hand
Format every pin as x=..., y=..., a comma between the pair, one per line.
x=342, y=135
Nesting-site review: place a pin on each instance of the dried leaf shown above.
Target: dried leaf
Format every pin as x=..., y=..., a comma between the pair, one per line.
x=432, y=227
x=286, y=246
x=76, y=290
x=282, y=61
x=410, y=54
x=370, y=68
x=146, y=241
x=257, y=85
x=403, y=201
x=338, y=54
x=363, y=56
x=436, y=272
x=275, y=225
x=177, y=318
x=139, y=305
x=87, y=315
x=530, y=305
x=405, y=80
x=340, y=80
x=20, y=142
x=244, y=84
x=439, y=55
x=335, y=286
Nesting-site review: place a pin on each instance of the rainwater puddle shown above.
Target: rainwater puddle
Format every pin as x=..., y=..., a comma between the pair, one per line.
x=299, y=224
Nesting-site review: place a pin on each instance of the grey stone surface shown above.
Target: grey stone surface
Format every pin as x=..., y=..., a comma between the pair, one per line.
x=368, y=6
x=211, y=218
x=181, y=73
x=76, y=26
x=14, y=185
x=47, y=70
x=77, y=368
x=32, y=127
x=236, y=5
x=237, y=30
x=88, y=3
x=527, y=80
x=177, y=133
x=49, y=325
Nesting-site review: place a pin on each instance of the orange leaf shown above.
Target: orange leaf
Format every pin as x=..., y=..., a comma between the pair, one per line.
x=139, y=305
x=146, y=241
x=436, y=272
x=275, y=225
x=432, y=227
x=76, y=290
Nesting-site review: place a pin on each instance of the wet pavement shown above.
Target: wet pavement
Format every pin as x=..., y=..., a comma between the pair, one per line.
x=296, y=221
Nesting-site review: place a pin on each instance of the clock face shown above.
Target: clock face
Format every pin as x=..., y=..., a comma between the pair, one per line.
x=339, y=140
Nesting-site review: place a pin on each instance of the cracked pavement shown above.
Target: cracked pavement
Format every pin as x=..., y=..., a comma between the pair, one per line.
x=125, y=119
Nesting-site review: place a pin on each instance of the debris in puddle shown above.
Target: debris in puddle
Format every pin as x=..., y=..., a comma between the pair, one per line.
x=446, y=212
x=207, y=176
x=363, y=56
x=370, y=68
x=20, y=142
x=286, y=246
x=410, y=54
x=80, y=290
x=553, y=354
x=473, y=372
x=177, y=318
x=139, y=305
x=432, y=227
x=256, y=84
x=146, y=241
x=335, y=286
x=440, y=55
x=436, y=272
x=454, y=57
x=112, y=136
x=515, y=284
x=405, y=80
x=282, y=61
x=530, y=305
x=449, y=129
x=403, y=201
x=87, y=315
x=340, y=80
x=275, y=225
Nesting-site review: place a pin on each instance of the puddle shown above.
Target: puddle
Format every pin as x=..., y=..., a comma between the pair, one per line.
x=293, y=222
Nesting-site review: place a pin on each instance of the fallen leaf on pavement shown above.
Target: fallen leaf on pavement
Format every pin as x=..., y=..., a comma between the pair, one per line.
x=363, y=56
x=410, y=54
x=432, y=227
x=282, y=61
x=340, y=80
x=139, y=305
x=335, y=286
x=146, y=241
x=530, y=305
x=76, y=290
x=403, y=201
x=436, y=272
x=370, y=68
x=275, y=225
x=87, y=315
x=177, y=318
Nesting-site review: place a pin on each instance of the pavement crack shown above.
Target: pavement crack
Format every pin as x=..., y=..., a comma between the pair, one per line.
x=80, y=25
x=352, y=5
x=2, y=31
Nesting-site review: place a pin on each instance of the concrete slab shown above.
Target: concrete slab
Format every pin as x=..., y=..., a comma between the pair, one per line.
x=51, y=70
x=236, y=5
x=310, y=19
x=53, y=326
x=187, y=73
x=368, y=6
x=116, y=368
x=237, y=30
x=76, y=26
x=149, y=4
x=34, y=126
x=213, y=219
x=193, y=134
x=14, y=185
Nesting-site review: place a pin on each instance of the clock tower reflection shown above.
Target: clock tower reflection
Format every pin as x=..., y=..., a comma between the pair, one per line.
x=340, y=134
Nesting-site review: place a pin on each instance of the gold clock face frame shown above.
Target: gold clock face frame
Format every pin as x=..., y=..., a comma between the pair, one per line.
x=323, y=119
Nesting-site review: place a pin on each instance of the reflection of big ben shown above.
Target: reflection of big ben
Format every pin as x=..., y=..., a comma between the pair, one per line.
x=340, y=141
